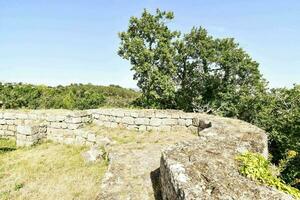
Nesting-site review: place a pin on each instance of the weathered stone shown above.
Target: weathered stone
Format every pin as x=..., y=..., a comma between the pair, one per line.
x=9, y=115
x=93, y=155
x=185, y=175
x=155, y=122
x=161, y=114
x=79, y=140
x=91, y=137
x=142, y=128
x=74, y=120
x=102, y=141
x=133, y=127
x=134, y=114
x=169, y=121
x=128, y=120
x=55, y=125
x=27, y=130
x=142, y=121
x=74, y=126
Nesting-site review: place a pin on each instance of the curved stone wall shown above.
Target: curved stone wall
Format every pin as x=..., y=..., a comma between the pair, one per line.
x=200, y=169
x=206, y=168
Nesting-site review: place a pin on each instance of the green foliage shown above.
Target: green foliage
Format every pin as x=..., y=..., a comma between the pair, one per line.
x=280, y=116
x=216, y=75
x=199, y=73
x=75, y=96
x=195, y=72
x=147, y=44
x=289, y=168
x=256, y=167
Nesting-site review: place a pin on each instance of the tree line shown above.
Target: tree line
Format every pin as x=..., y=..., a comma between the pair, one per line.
x=74, y=96
x=196, y=72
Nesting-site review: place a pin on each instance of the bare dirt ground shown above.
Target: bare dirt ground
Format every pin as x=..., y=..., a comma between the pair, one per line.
x=134, y=157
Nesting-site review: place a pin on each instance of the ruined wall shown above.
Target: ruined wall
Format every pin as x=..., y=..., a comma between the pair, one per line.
x=65, y=126
x=142, y=120
x=206, y=168
x=30, y=126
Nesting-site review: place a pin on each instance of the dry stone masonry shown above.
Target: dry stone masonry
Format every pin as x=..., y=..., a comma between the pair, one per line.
x=66, y=126
x=203, y=168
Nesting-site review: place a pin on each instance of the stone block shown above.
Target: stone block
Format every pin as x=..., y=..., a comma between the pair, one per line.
x=55, y=125
x=102, y=141
x=132, y=127
x=12, y=128
x=175, y=115
x=169, y=121
x=74, y=120
x=161, y=114
x=113, y=125
x=142, y=128
x=27, y=130
x=74, y=126
x=9, y=116
x=128, y=120
x=155, y=122
x=80, y=140
x=103, y=118
x=96, y=116
x=134, y=114
x=118, y=113
x=91, y=137
x=10, y=122
x=141, y=121
x=99, y=122
x=22, y=116
x=93, y=155
x=118, y=119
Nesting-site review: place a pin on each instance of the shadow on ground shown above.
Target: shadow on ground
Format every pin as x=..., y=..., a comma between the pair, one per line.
x=6, y=149
x=155, y=179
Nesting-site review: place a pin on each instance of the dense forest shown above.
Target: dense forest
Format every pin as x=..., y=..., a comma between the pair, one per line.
x=74, y=96
x=196, y=72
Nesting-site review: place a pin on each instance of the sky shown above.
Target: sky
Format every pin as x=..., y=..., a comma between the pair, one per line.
x=75, y=41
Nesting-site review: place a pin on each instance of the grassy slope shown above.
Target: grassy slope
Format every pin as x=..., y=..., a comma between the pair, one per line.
x=48, y=171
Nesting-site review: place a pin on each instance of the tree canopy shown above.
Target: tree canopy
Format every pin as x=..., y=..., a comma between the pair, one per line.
x=197, y=72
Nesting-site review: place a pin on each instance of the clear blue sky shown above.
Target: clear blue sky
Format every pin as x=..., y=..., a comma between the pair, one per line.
x=64, y=41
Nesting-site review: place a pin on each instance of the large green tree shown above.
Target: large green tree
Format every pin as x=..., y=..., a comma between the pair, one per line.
x=195, y=72
x=148, y=45
x=216, y=75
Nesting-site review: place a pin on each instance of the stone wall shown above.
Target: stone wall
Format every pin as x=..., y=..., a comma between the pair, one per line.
x=30, y=126
x=200, y=169
x=65, y=126
x=206, y=168
x=145, y=120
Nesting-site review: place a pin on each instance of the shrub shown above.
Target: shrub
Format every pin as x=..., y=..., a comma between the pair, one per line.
x=256, y=167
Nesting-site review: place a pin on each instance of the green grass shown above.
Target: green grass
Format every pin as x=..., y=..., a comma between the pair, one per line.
x=48, y=171
x=7, y=145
